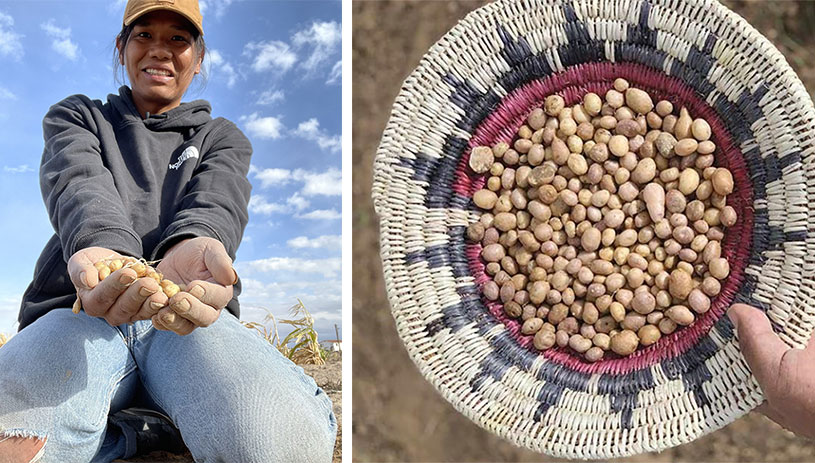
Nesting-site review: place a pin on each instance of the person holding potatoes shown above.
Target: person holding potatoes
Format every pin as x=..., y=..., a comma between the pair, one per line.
x=146, y=177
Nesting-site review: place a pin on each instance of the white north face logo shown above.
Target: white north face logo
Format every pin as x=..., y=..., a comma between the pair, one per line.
x=189, y=153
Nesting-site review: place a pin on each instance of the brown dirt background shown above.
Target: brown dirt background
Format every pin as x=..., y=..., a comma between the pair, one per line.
x=398, y=416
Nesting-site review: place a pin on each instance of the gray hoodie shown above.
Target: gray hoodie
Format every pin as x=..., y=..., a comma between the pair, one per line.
x=137, y=186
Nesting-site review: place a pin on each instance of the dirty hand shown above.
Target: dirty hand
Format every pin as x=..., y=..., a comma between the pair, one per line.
x=786, y=375
x=204, y=268
x=119, y=298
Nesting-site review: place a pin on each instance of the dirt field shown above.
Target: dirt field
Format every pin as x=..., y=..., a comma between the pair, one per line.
x=398, y=416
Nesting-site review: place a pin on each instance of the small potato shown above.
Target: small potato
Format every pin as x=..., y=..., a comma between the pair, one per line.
x=638, y=100
x=644, y=303
x=579, y=343
x=711, y=286
x=481, y=159
x=577, y=163
x=685, y=147
x=700, y=130
x=475, y=232
x=594, y=354
x=485, y=199
x=698, y=301
x=665, y=144
x=532, y=326
x=590, y=240
x=680, y=284
x=169, y=288
x=688, y=181
x=666, y=326
x=722, y=181
x=728, y=216
x=513, y=309
x=680, y=314
x=618, y=145
x=675, y=201
x=649, y=334
x=633, y=321
x=654, y=196
x=115, y=264
x=625, y=342
x=505, y=221
x=507, y=292
x=664, y=107
x=544, y=339
x=493, y=253
x=553, y=105
x=644, y=172
x=719, y=268
x=682, y=129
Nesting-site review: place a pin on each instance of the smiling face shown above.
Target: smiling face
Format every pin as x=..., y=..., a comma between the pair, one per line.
x=160, y=60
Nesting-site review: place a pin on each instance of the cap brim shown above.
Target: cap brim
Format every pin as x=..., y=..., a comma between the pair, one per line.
x=144, y=11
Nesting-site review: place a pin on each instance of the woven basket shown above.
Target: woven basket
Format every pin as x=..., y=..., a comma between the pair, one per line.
x=475, y=87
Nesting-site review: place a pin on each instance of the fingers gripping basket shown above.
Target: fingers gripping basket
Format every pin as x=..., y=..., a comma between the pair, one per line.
x=475, y=87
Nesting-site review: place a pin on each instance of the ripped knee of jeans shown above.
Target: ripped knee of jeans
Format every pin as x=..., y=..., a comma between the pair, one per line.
x=21, y=435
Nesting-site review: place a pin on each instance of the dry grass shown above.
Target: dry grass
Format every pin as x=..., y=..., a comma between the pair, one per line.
x=301, y=345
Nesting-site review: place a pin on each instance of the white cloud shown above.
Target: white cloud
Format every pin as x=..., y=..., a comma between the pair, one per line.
x=323, y=37
x=259, y=205
x=326, y=267
x=324, y=241
x=62, y=43
x=310, y=130
x=317, y=43
x=65, y=48
x=214, y=60
x=270, y=97
x=5, y=94
x=297, y=202
x=272, y=56
x=336, y=74
x=321, y=214
x=271, y=177
x=327, y=183
x=54, y=31
x=21, y=169
x=262, y=127
x=219, y=6
x=10, y=44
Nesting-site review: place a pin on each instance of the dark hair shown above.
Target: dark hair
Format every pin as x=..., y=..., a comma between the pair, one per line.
x=198, y=46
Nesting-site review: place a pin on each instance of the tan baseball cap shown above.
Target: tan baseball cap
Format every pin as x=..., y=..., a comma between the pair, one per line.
x=186, y=8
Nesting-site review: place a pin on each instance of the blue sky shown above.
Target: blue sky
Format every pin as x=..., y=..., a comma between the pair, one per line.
x=274, y=69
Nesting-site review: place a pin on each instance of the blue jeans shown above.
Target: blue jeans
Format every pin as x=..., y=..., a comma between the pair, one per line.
x=233, y=396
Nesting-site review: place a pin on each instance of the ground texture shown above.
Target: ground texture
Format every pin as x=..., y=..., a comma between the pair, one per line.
x=398, y=416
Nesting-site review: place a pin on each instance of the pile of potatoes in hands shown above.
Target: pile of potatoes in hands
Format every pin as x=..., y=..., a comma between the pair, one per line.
x=603, y=222
x=107, y=266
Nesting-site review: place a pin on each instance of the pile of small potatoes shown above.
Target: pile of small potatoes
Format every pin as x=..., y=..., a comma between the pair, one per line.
x=603, y=222
x=142, y=268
